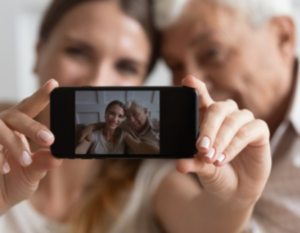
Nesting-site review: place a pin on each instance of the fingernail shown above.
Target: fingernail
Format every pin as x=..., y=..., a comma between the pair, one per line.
x=45, y=136
x=47, y=83
x=211, y=153
x=221, y=158
x=6, y=168
x=205, y=142
x=26, y=158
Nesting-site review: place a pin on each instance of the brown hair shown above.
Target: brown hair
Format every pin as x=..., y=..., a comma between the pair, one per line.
x=118, y=132
x=140, y=10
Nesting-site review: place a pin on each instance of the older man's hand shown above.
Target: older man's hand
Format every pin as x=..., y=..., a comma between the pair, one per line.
x=234, y=158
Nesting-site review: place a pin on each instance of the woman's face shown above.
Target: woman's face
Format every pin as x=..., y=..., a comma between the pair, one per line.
x=114, y=117
x=95, y=44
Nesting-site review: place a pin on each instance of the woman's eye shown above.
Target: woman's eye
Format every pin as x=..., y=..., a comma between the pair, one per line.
x=75, y=52
x=126, y=68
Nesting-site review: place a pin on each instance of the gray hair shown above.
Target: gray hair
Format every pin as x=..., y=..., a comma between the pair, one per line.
x=167, y=12
x=136, y=103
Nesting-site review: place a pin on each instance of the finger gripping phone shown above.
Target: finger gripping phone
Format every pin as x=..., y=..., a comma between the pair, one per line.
x=124, y=122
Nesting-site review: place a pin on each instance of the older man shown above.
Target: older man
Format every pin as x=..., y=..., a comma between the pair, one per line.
x=139, y=125
x=245, y=50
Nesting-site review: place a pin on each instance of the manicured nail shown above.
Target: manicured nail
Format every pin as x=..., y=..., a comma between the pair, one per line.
x=205, y=142
x=6, y=168
x=47, y=83
x=26, y=158
x=221, y=158
x=211, y=153
x=45, y=136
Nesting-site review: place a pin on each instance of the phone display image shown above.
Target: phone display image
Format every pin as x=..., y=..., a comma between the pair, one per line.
x=117, y=122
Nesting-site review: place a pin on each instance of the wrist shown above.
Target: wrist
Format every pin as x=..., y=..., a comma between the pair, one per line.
x=232, y=214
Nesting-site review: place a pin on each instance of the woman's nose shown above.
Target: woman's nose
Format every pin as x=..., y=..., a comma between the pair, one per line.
x=103, y=75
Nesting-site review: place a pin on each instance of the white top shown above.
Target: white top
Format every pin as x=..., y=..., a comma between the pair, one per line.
x=23, y=218
x=278, y=209
x=101, y=146
x=137, y=214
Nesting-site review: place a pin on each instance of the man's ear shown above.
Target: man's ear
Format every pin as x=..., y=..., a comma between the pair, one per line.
x=38, y=51
x=285, y=30
x=146, y=110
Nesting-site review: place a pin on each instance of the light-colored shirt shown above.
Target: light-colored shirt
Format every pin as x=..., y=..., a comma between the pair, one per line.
x=150, y=134
x=136, y=217
x=278, y=209
x=101, y=146
x=23, y=218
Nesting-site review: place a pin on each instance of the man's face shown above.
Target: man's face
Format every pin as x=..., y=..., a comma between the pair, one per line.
x=233, y=58
x=136, y=117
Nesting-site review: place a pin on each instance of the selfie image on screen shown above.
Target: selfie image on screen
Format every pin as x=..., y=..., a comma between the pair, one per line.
x=117, y=122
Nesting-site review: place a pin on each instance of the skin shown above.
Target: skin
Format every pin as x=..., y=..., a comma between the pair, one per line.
x=136, y=118
x=231, y=186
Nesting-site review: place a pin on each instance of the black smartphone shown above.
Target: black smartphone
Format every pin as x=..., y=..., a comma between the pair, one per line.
x=127, y=122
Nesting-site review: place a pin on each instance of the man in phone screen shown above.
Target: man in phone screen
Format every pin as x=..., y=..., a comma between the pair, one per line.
x=139, y=125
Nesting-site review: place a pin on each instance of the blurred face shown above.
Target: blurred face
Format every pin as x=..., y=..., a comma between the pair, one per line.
x=114, y=117
x=136, y=117
x=251, y=65
x=95, y=44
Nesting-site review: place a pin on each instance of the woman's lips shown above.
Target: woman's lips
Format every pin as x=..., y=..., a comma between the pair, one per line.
x=113, y=125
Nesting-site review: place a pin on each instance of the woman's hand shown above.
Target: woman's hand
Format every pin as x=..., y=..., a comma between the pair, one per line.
x=21, y=170
x=234, y=158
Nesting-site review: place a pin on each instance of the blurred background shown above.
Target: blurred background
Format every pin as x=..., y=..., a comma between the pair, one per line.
x=19, y=22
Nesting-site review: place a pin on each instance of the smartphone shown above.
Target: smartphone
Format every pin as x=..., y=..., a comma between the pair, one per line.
x=128, y=122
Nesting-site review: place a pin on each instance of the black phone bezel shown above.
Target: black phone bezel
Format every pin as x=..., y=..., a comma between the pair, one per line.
x=177, y=104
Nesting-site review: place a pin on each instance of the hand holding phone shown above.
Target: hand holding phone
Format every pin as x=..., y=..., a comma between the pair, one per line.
x=234, y=158
x=20, y=168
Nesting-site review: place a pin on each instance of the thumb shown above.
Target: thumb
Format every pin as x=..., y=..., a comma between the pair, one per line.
x=43, y=161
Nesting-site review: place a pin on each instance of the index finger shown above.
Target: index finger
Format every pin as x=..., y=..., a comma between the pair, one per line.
x=204, y=98
x=34, y=104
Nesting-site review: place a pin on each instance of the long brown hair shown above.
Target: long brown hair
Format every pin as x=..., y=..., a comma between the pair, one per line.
x=118, y=132
x=103, y=200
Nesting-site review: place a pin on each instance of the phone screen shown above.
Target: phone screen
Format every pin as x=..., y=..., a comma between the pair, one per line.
x=127, y=122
